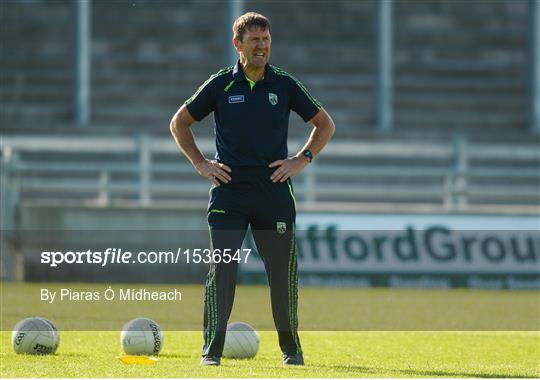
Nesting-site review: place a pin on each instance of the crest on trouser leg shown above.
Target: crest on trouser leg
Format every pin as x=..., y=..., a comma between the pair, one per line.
x=281, y=227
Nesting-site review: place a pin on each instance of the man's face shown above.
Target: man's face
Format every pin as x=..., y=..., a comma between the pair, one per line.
x=254, y=49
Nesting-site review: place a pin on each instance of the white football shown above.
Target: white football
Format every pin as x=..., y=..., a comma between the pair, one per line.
x=35, y=336
x=241, y=341
x=141, y=336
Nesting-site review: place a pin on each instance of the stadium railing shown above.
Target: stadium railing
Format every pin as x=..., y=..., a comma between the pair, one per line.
x=386, y=175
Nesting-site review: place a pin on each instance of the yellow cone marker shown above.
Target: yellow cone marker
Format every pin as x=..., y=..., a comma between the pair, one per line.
x=138, y=359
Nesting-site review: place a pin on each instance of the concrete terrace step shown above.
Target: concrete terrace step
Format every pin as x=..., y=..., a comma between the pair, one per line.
x=358, y=53
x=36, y=113
x=37, y=62
x=455, y=70
x=459, y=98
x=350, y=117
x=475, y=103
x=433, y=125
x=422, y=81
x=466, y=117
x=334, y=79
x=468, y=38
x=25, y=99
x=133, y=61
x=481, y=132
x=430, y=54
x=416, y=10
x=34, y=73
x=363, y=105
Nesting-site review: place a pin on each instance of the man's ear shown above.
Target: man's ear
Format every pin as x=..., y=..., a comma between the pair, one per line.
x=236, y=42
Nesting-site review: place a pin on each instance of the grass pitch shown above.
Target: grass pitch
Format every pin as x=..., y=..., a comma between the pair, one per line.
x=434, y=353
x=327, y=354
x=319, y=308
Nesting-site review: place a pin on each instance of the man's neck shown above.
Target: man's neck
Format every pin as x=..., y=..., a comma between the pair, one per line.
x=253, y=73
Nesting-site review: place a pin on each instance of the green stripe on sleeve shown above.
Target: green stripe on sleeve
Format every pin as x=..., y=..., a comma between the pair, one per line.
x=315, y=102
x=219, y=73
x=228, y=86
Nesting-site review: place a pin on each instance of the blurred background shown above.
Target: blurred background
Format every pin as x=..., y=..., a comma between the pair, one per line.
x=436, y=105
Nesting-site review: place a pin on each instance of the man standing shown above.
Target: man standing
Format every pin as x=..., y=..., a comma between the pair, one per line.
x=251, y=102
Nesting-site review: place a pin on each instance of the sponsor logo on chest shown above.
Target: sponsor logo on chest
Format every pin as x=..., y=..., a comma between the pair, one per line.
x=236, y=99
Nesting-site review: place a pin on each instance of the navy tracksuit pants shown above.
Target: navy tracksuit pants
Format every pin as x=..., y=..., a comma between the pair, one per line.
x=251, y=198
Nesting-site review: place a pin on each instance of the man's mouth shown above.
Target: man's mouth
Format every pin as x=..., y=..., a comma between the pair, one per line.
x=260, y=55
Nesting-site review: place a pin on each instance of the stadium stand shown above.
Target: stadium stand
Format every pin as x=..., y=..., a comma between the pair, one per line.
x=461, y=66
x=458, y=65
x=36, y=72
x=459, y=137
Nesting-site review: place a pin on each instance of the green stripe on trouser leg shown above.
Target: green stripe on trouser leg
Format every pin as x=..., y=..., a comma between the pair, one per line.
x=210, y=303
x=293, y=289
x=291, y=191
